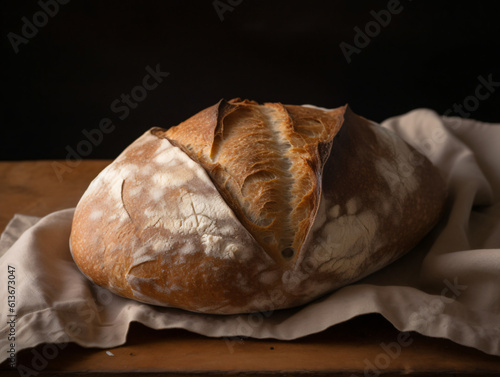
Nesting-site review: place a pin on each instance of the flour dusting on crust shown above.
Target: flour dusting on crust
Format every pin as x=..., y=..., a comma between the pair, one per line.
x=154, y=226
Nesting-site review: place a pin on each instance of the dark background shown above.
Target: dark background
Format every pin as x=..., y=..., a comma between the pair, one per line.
x=65, y=78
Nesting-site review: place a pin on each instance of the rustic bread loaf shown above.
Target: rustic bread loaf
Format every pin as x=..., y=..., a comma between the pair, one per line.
x=247, y=207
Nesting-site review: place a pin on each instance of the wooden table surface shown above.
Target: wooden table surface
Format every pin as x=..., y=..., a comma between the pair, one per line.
x=353, y=348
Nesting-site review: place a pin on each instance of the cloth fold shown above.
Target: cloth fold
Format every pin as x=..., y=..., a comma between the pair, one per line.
x=448, y=286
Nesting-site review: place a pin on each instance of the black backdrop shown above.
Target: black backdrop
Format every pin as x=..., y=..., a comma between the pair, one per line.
x=80, y=59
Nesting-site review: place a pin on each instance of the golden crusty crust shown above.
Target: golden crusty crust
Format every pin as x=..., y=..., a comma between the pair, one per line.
x=247, y=207
x=265, y=161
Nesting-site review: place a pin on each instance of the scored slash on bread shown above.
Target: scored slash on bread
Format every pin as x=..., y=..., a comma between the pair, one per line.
x=266, y=161
x=254, y=207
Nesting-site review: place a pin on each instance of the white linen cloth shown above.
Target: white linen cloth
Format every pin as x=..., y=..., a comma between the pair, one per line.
x=448, y=286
